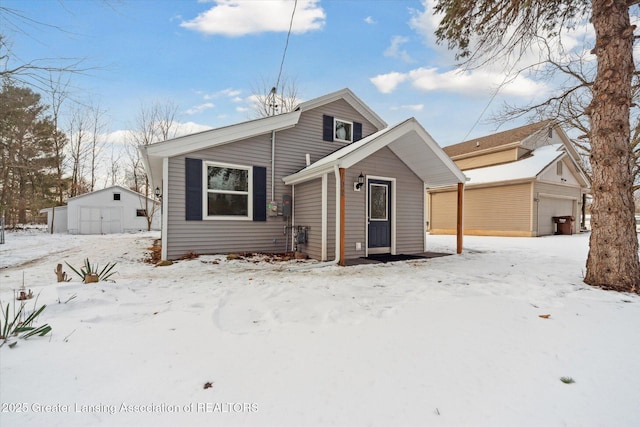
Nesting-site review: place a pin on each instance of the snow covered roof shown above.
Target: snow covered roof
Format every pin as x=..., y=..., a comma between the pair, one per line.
x=529, y=167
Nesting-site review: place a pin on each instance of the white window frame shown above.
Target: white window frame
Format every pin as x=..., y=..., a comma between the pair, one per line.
x=206, y=191
x=335, y=128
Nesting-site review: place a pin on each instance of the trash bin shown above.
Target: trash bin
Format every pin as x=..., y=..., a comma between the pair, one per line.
x=564, y=224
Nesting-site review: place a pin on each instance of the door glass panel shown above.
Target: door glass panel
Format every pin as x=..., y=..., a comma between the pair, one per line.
x=378, y=202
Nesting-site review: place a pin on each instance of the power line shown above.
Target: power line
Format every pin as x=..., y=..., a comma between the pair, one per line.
x=295, y=4
x=495, y=93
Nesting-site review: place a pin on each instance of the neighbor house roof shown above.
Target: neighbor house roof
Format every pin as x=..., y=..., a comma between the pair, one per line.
x=407, y=140
x=526, y=168
x=153, y=154
x=496, y=140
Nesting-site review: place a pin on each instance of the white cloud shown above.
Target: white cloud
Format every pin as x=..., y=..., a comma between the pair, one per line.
x=425, y=22
x=410, y=107
x=369, y=20
x=229, y=92
x=395, y=51
x=387, y=83
x=200, y=108
x=475, y=82
x=187, y=128
x=235, y=18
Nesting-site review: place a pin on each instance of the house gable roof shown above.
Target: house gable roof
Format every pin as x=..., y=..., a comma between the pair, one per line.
x=496, y=141
x=153, y=154
x=408, y=140
x=355, y=102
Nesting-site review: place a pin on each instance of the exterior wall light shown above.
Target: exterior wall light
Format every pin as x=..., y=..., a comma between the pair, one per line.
x=360, y=182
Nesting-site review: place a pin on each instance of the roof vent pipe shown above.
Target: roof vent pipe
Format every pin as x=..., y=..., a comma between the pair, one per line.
x=308, y=158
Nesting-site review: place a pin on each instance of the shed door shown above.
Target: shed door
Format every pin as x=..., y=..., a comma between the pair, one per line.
x=550, y=207
x=90, y=220
x=379, y=216
x=111, y=220
x=100, y=220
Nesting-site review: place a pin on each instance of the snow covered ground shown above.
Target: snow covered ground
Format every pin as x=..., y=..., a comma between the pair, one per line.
x=451, y=341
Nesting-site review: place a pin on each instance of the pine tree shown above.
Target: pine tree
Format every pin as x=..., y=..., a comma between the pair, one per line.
x=27, y=161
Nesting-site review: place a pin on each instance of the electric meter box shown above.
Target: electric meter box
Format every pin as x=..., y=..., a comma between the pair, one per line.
x=272, y=208
x=286, y=205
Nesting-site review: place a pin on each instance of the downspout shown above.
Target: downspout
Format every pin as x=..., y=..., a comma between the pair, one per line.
x=336, y=171
x=273, y=164
x=164, y=209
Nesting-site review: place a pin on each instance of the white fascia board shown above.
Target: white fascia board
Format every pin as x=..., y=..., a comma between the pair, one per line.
x=145, y=163
x=357, y=152
x=224, y=135
x=352, y=100
x=309, y=174
x=410, y=125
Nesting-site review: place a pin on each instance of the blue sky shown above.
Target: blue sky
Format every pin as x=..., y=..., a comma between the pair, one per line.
x=206, y=56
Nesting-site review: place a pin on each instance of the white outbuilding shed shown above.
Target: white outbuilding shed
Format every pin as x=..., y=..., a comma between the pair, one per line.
x=111, y=210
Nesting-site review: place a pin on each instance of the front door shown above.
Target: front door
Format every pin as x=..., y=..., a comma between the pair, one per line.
x=379, y=216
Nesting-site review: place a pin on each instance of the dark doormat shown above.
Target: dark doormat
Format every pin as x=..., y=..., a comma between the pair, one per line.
x=391, y=258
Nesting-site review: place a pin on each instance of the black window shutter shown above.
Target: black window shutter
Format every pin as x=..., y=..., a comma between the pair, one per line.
x=357, y=131
x=193, y=189
x=327, y=128
x=259, y=193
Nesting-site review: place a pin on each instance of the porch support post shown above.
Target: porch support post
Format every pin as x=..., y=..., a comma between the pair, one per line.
x=342, y=217
x=459, y=221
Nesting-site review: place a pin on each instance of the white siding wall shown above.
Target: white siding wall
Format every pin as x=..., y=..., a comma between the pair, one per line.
x=99, y=213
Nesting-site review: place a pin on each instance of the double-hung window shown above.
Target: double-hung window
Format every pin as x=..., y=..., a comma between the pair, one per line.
x=228, y=191
x=343, y=131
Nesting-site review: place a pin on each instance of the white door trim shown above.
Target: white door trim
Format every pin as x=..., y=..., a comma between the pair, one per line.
x=392, y=210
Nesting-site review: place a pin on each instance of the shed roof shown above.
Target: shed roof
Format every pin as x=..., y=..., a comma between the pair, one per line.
x=407, y=140
x=112, y=188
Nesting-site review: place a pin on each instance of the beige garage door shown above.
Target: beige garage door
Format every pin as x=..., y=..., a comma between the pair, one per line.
x=548, y=207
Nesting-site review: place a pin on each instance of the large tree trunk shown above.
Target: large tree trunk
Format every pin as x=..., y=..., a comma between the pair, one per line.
x=613, y=253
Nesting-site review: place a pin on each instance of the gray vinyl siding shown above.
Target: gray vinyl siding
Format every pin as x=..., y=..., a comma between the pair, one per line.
x=226, y=236
x=308, y=213
x=409, y=204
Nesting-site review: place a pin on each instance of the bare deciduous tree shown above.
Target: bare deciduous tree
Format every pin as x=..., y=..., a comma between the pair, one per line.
x=154, y=123
x=270, y=100
x=78, y=149
x=484, y=30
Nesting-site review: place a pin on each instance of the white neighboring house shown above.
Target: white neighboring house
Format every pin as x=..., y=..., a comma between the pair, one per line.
x=111, y=210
